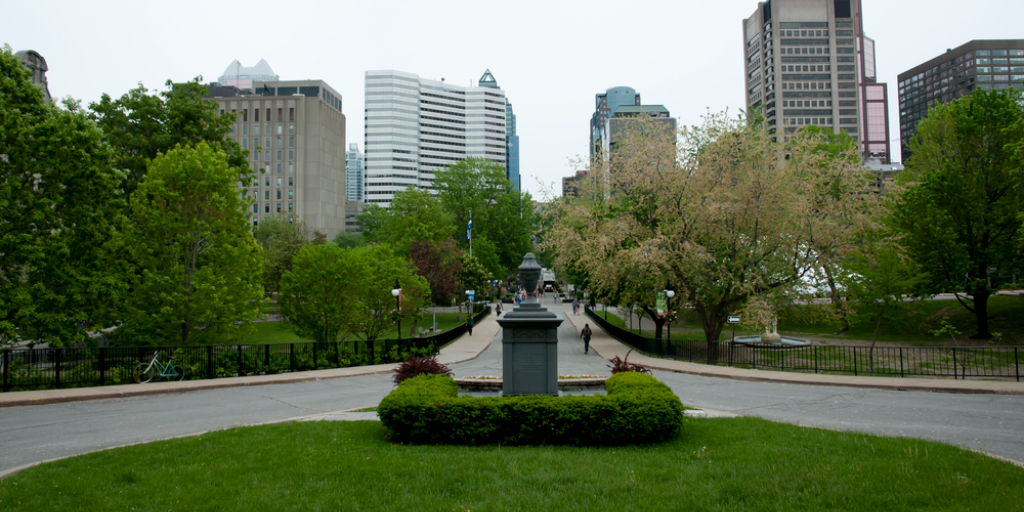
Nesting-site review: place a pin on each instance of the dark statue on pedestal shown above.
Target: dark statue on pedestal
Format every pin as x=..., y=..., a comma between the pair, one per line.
x=530, y=341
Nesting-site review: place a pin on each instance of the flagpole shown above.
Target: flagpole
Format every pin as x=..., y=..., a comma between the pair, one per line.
x=469, y=233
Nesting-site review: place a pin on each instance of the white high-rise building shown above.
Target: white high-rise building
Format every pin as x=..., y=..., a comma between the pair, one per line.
x=416, y=127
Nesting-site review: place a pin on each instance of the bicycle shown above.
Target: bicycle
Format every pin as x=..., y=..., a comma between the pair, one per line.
x=145, y=372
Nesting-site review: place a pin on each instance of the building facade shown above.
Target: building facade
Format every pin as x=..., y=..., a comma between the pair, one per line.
x=511, y=139
x=37, y=65
x=808, y=62
x=986, y=65
x=295, y=134
x=605, y=105
x=355, y=171
x=619, y=125
x=417, y=127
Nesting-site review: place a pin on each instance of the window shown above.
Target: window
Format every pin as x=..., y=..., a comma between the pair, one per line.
x=291, y=168
x=268, y=116
x=245, y=143
x=279, y=182
x=279, y=116
x=291, y=142
x=256, y=128
x=245, y=115
x=256, y=114
x=279, y=194
x=266, y=194
x=291, y=114
x=291, y=128
x=255, y=208
x=267, y=155
x=278, y=155
x=268, y=145
x=290, y=207
x=278, y=204
x=280, y=129
x=290, y=181
x=279, y=172
x=983, y=53
x=291, y=155
x=280, y=143
x=266, y=208
x=267, y=181
x=291, y=194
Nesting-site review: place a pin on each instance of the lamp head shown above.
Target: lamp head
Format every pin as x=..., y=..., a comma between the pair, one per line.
x=670, y=293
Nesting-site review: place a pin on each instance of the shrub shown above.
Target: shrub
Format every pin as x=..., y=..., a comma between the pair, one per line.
x=623, y=365
x=637, y=409
x=414, y=366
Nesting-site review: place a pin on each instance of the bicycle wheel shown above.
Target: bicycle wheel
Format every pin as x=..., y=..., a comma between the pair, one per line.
x=176, y=372
x=143, y=373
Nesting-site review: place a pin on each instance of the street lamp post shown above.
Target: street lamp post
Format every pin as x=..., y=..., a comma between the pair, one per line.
x=668, y=314
x=396, y=292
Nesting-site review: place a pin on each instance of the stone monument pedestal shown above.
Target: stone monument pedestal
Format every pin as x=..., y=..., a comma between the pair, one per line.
x=529, y=342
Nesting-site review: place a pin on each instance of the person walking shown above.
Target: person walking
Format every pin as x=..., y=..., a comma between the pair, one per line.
x=575, y=307
x=586, y=334
x=469, y=323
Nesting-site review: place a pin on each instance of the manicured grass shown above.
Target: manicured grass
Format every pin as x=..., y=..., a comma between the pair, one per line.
x=717, y=464
x=278, y=332
x=909, y=323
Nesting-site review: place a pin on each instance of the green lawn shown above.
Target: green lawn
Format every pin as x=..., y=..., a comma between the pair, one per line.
x=279, y=332
x=718, y=464
x=909, y=323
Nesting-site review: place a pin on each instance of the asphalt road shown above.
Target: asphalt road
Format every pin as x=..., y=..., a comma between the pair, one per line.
x=991, y=423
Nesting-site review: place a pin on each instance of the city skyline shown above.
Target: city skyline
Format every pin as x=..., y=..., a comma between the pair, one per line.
x=540, y=73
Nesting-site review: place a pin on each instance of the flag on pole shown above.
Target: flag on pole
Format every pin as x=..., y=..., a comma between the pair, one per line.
x=469, y=229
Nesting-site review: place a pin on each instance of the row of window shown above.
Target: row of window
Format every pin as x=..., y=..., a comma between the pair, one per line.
x=266, y=209
x=266, y=194
x=280, y=181
x=256, y=114
x=267, y=154
x=807, y=103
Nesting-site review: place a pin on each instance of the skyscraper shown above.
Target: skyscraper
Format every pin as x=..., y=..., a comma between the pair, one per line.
x=808, y=62
x=987, y=65
x=354, y=173
x=417, y=127
x=295, y=134
x=605, y=104
x=511, y=139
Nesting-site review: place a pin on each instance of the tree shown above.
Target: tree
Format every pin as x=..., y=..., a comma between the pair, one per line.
x=720, y=213
x=345, y=240
x=199, y=267
x=473, y=275
x=382, y=268
x=439, y=263
x=959, y=209
x=58, y=195
x=319, y=294
x=415, y=215
x=140, y=126
x=879, y=273
x=280, y=238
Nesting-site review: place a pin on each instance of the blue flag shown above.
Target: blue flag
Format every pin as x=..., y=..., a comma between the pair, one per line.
x=469, y=229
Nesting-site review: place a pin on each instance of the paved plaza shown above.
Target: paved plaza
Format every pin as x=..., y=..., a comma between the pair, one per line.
x=980, y=415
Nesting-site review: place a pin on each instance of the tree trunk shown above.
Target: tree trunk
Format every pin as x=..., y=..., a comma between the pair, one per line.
x=836, y=299
x=871, y=351
x=659, y=323
x=981, y=295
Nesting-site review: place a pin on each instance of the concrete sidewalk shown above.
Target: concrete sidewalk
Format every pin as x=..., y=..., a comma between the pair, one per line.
x=608, y=348
x=463, y=349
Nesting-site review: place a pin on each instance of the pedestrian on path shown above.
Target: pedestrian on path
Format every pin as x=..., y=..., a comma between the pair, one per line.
x=498, y=309
x=575, y=307
x=586, y=334
x=469, y=324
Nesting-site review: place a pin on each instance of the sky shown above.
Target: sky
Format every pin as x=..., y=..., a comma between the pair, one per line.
x=550, y=57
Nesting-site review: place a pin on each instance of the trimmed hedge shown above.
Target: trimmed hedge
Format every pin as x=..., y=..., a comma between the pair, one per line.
x=426, y=409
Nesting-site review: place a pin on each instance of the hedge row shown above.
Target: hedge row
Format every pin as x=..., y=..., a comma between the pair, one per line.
x=637, y=409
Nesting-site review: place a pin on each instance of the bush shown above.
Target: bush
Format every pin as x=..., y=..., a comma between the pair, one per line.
x=637, y=409
x=623, y=365
x=414, y=366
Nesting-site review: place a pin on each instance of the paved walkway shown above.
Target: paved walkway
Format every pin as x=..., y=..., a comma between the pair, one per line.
x=608, y=348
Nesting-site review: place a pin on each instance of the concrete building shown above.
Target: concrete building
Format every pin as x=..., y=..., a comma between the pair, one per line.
x=618, y=125
x=416, y=127
x=808, y=62
x=605, y=105
x=237, y=75
x=37, y=65
x=295, y=134
x=355, y=171
x=979, y=64
x=571, y=184
x=511, y=139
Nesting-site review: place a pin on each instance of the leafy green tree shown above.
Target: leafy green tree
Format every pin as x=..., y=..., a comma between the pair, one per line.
x=280, y=238
x=345, y=240
x=58, y=194
x=381, y=268
x=959, y=211
x=439, y=263
x=319, y=294
x=473, y=275
x=502, y=215
x=140, y=126
x=199, y=267
x=878, y=274
x=415, y=215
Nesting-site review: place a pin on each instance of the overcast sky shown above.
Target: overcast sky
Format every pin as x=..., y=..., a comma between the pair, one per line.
x=550, y=57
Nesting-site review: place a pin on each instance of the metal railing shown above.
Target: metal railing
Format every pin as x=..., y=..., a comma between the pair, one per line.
x=45, y=368
x=956, y=362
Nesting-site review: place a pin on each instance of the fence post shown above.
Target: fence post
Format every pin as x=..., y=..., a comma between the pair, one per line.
x=314, y=355
x=954, y=363
x=854, y=361
x=815, y=359
x=730, y=351
x=239, y=371
x=901, y=361
x=209, y=361
x=57, y=368
x=266, y=358
x=1016, y=366
x=103, y=366
x=6, y=370
x=337, y=355
x=291, y=356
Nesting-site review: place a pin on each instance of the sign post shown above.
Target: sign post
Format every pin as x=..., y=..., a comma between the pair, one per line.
x=734, y=320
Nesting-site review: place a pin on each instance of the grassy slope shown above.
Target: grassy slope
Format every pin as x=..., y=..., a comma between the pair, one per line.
x=909, y=323
x=724, y=464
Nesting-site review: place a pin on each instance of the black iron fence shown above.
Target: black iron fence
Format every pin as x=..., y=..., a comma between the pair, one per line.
x=963, y=362
x=45, y=368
